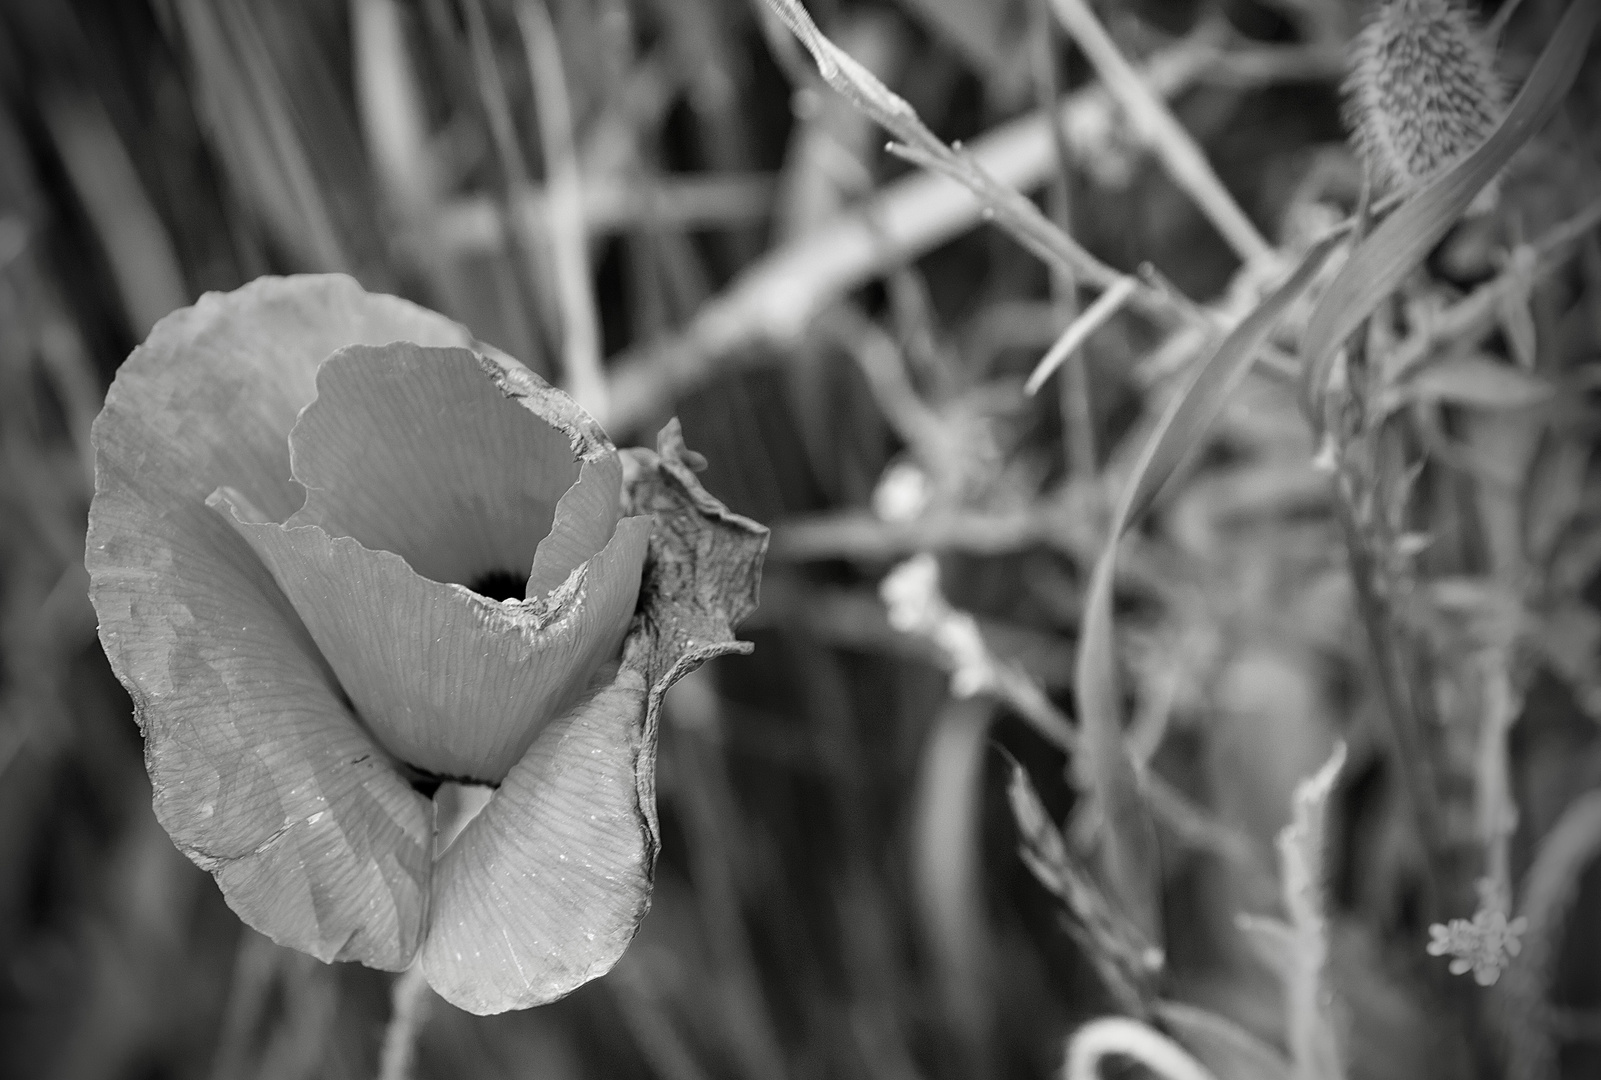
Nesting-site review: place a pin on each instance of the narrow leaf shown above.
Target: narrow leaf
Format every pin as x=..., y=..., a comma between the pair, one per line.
x=1103, y=765
x=1194, y=410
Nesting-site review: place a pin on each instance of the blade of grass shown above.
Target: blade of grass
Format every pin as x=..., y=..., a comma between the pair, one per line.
x=1149, y=115
x=135, y=241
x=391, y=111
x=1118, y=1036
x=948, y=868
x=1310, y=1026
x=1103, y=766
x=776, y=296
x=1003, y=204
x=1073, y=393
x=530, y=277
x=1121, y=958
x=1197, y=406
x=1382, y=261
x=1222, y=1045
x=569, y=246
x=246, y=113
x=1109, y=303
x=1550, y=891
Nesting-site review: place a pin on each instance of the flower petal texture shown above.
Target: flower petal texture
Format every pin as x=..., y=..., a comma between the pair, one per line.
x=378, y=561
x=260, y=771
x=339, y=553
x=541, y=892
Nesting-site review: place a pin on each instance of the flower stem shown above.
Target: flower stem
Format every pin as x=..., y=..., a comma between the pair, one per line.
x=410, y=1011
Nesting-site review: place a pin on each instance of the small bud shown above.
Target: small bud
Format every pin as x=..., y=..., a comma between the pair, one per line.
x=1422, y=92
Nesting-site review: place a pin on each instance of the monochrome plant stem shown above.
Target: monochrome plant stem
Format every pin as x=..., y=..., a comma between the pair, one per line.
x=410, y=1004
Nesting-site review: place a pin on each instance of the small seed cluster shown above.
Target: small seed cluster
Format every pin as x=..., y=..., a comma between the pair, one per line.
x=1423, y=90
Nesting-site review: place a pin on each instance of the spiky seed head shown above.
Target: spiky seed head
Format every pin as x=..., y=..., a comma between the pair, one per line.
x=1423, y=90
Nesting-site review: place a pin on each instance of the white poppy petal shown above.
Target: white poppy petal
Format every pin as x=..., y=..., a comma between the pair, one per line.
x=260, y=773
x=545, y=888
x=585, y=518
x=420, y=452
x=449, y=681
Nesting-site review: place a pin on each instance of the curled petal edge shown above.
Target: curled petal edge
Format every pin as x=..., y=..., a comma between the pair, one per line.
x=545, y=889
x=259, y=773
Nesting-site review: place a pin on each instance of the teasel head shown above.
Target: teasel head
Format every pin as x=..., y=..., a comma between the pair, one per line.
x=1423, y=90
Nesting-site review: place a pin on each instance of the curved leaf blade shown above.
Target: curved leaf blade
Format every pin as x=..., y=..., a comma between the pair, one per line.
x=1103, y=766
x=1382, y=261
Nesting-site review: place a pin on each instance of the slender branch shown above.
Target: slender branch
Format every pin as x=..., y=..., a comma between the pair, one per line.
x=1185, y=161
x=1407, y=740
x=611, y=205
x=569, y=245
x=513, y=165
x=1060, y=525
x=1078, y=413
x=1109, y=303
x=777, y=296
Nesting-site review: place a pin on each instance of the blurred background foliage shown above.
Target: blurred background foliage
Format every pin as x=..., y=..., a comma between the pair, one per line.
x=841, y=893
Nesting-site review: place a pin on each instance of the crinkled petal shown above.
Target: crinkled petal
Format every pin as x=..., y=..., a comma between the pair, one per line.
x=543, y=890
x=449, y=681
x=585, y=518
x=420, y=452
x=546, y=887
x=260, y=772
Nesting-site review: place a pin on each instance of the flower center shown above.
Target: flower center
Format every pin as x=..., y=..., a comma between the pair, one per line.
x=500, y=585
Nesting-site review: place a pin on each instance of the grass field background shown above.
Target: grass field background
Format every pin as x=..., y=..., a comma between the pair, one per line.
x=841, y=892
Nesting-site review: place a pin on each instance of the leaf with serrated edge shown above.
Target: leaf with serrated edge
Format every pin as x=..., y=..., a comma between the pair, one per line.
x=1297, y=950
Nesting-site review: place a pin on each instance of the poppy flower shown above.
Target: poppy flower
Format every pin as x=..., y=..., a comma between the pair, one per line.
x=341, y=554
